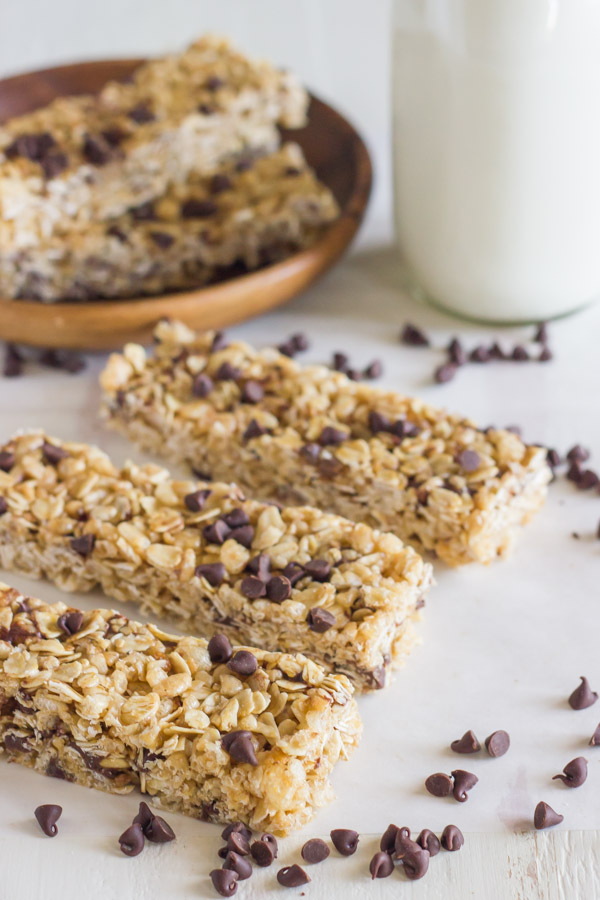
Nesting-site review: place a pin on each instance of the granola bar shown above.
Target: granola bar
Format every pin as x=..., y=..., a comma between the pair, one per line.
x=295, y=579
x=312, y=435
x=246, y=214
x=220, y=733
x=92, y=157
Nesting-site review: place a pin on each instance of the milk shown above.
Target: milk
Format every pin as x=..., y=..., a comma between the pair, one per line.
x=497, y=153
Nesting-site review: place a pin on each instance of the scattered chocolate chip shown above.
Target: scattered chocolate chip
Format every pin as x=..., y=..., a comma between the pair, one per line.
x=71, y=622
x=53, y=164
x=227, y=372
x=53, y=454
x=271, y=840
x=237, y=863
x=198, y=209
x=7, y=460
x=144, y=815
x=340, y=362
x=468, y=743
x=574, y=472
x=469, y=460
x=388, y=838
x=13, y=362
x=219, y=183
x=253, y=430
x=463, y=782
x=403, y=844
x=320, y=620
x=237, y=827
x=315, y=851
x=262, y=853
x=498, y=743
x=553, y=458
x=582, y=696
x=439, y=784
x=574, y=773
x=62, y=359
x=279, y=588
x=545, y=355
x=578, y=454
x=541, y=334
x=243, y=536
x=219, y=649
x=519, y=353
x=162, y=239
x=318, y=569
x=480, y=354
x=345, y=840
x=84, y=544
x=131, y=841
x=253, y=587
x=238, y=744
x=445, y=373
x=456, y=352
x=428, y=841
x=292, y=876
x=217, y=532
x=144, y=212
x=214, y=573
x=331, y=435
x=496, y=352
x=595, y=738
x=159, y=831
x=545, y=816
x=588, y=479
x=373, y=370
x=452, y=838
x=252, y=392
x=141, y=114
x=300, y=342
x=416, y=864
x=47, y=816
x=381, y=865
x=237, y=842
x=224, y=881
x=413, y=336
x=243, y=663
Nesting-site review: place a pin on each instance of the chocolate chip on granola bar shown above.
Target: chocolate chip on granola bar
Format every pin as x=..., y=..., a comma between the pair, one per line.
x=469, y=460
x=463, y=782
x=217, y=532
x=141, y=114
x=545, y=817
x=260, y=566
x=238, y=744
x=131, y=841
x=252, y=392
x=243, y=663
x=497, y=743
x=445, y=373
x=219, y=649
x=214, y=573
x=53, y=164
x=320, y=620
x=84, y=544
x=198, y=209
x=224, y=881
x=162, y=239
x=236, y=518
x=71, y=622
x=253, y=587
x=331, y=435
x=583, y=696
x=452, y=838
x=227, y=372
x=279, y=588
x=47, y=816
x=293, y=572
x=381, y=865
x=345, y=840
x=243, y=535
x=235, y=862
x=7, y=460
x=253, y=430
x=318, y=569
x=292, y=876
x=429, y=841
x=53, y=454
x=219, y=183
x=378, y=422
x=574, y=773
x=196, y=500
x=413, y=336
x=315, y=851
x=439, y=784
x=31, y=146
x=144, y=212
x=97, y=150
x=468, y=743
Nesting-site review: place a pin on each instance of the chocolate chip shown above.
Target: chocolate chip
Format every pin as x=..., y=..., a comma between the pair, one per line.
x=31, y=146
x=214, y=573
x=97, y=150
x=53, y=454
x=428, y=841
x=219, y=649
x=463, y=782
x=260, y=566
x=196, y=500
x=595, y=738
x=159, y=831
x=262, y=853
x=456, y=352
x=439, y=784
x=320, y=620
x=378, y=422
x=198, y=209
x=574, y=773
x=243, y=536
x=444, y=373
x=545, y=355
x=252, y=392
x=271, y=840
x=253, y=430
x=224, y=881
x=292, y=876
x=3, y=506
x=416, y=864
x=131, y=841
x=253, y=587
x=373, y=370
x=47, y=816
x=118, y=233
x=279, y=588
x=237, y=863
x=293, y=572
x=114, y=136
x=144, y=815
x=219, y=342
x=15, y=744
x=300, y=342
x=468, y=743
x=71, y=622
x=340, y=362
x=541, y=334
x=318, y=569
x=469, y=460
x=403, y=844
x=243, y=663
x=145, y=212
x=345, y=840
x=238, y=744
x=582, y=696
x=227, y=372
x=578, y=454
x=7, y=460
x=553, y=458
x=496, y=351
x=236, y=518
x=141, y=114
x=53, y=164
x=588, y=479
x=202, y=385
x=213, y=83
x=388, y=838
x=315, y=851
x=237, y=827
x=480, y=354
x=217, y=532
x=497, y=743
x=162, y=239
x=62, y=359
x=13, y=362
x=381, y=865
x=519, y=353
x=413, y=336
x=574, y=472
x=331, y=435
x=84, y=544
x=545, y=816
x=452, y=838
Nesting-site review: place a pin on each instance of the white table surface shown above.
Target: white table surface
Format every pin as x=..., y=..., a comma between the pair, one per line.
x=503, y=647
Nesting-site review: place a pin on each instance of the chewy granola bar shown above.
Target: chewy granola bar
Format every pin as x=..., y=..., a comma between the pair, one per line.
x=249, y=213
x=294, y=579
x=219, y=733
x=311, y=435
x=92, y=157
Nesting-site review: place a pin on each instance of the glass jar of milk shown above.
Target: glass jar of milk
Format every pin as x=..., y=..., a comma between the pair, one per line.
x=497, y=154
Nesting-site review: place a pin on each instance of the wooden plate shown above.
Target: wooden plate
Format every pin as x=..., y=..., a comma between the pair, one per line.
x=330, y=144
